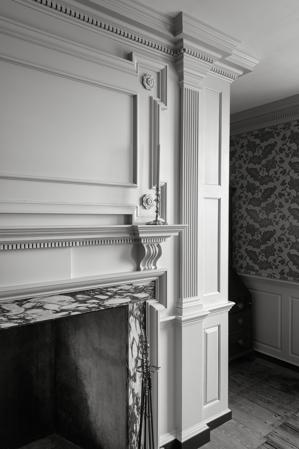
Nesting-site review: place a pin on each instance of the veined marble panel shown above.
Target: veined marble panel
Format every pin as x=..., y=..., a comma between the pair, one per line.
x=42, y=308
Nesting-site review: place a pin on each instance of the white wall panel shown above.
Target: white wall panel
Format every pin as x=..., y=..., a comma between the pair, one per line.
x=211, y=364
x=25, y=267
x=212, y=137
x=211, y=241
x=56, y=128
x=92, y=261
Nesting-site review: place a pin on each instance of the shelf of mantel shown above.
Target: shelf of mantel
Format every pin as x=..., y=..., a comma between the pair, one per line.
x=50, y=307
x=22, y=238
x=147, y=238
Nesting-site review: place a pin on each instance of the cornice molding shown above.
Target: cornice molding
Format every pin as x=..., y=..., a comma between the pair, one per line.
x=270, y=114
x=158, y=33
x=216, y=42
x=91, y=18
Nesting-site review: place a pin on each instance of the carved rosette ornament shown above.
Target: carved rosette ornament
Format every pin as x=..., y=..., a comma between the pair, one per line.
x=147, y=201
x=148, y=81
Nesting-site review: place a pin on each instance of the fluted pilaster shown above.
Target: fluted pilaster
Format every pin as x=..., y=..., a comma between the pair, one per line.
x=189, y=190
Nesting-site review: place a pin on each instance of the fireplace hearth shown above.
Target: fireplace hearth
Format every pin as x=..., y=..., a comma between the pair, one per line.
x=68, y=373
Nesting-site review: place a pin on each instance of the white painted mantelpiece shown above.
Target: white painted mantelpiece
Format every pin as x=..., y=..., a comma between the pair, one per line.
x=89, y=89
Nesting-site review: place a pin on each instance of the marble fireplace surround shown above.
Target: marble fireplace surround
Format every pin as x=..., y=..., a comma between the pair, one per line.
x=29, y=320
x=59, y=310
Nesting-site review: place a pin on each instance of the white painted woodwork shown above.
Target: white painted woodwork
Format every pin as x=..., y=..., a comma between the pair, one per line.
x=154, y=310
x=72, y=113
x=78, y=143
x=214, y=360
x=276, y=316
x=212, y=238
x=189, y=189
x=80, y=252
x=211, y=379
x=212, y=156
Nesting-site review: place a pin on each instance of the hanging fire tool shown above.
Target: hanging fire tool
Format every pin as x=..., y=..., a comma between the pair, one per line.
x=146, y=430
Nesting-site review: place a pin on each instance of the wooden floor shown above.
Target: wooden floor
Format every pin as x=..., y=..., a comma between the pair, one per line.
x=264, y=399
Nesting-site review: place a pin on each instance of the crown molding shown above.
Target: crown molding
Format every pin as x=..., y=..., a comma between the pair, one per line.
x=200, y=34
x=241, y=60
x=270, y=114
x=156, y=33
x=133, y=13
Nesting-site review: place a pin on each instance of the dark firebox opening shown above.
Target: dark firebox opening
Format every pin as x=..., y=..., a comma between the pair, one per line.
x=66, y=377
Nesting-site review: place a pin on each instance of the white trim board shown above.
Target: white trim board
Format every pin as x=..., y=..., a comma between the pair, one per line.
x=266, y=115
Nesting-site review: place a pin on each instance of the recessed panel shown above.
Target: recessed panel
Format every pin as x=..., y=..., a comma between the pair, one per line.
x=211, y=214
x=31, y=266
x=212, y=364
x=295, y=326
x=212, y=138
x=62, y=129
x=267, y=332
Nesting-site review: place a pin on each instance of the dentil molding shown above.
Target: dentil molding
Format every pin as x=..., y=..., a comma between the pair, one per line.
x=146, y=239
x=153, y=32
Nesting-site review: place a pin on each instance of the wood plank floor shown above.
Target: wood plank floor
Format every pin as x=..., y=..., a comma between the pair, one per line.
x=264, y=399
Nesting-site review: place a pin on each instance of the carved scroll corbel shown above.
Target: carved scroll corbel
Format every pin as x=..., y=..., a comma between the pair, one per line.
x=147, y=243
x=150, y=253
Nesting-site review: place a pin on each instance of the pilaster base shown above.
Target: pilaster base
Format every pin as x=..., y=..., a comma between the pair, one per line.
x=201, y=438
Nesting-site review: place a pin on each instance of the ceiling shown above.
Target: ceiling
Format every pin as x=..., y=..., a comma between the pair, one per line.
x=267, y=29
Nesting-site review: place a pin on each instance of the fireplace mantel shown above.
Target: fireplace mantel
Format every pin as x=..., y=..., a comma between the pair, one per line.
x=20, y=238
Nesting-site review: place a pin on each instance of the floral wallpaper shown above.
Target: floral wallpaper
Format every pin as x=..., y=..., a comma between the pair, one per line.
x=265, y=201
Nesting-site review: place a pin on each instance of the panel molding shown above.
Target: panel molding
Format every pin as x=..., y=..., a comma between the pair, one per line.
x=278, y=333
x=286, y=290
x=154, y=139
x=65, y=180
x=210, y=352
x=65, y=208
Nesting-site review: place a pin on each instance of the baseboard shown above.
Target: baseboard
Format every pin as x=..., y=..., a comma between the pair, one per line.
x=220, y=420
x=201, y=438
x=280, y=362
x=193, y=443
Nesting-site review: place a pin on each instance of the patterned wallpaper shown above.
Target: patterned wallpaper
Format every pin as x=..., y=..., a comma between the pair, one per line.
x=265, y=204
